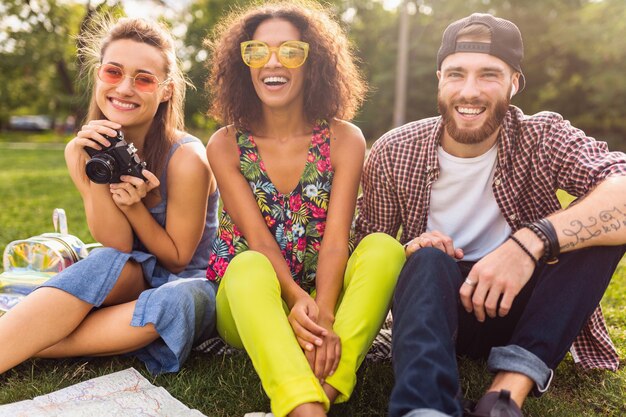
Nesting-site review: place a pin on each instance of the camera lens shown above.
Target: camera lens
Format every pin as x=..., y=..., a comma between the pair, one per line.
x=100, y=169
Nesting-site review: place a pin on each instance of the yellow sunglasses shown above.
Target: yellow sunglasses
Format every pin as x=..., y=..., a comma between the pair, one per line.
x=290, y=54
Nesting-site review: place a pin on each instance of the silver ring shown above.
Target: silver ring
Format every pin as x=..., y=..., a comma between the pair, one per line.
x=407, y=244
x=469, y=282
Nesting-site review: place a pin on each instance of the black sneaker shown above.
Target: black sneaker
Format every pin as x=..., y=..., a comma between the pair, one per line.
x=496, y=404
x=468, y=407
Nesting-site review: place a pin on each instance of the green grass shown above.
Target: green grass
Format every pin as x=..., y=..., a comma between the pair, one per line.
x=32, y=183
x=48, y=136
x=35, y=181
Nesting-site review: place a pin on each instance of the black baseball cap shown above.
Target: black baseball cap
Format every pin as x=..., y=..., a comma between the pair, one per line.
x=506, y=41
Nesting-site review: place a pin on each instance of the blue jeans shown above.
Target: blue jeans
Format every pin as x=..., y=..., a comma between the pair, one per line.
x=431, y=327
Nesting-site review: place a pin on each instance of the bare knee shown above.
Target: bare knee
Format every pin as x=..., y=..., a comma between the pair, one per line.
x=129, y=285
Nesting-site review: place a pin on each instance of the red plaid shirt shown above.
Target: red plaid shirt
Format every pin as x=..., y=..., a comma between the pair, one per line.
x=536, y=156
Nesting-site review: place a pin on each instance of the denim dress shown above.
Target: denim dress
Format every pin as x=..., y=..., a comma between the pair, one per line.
x=180, y=306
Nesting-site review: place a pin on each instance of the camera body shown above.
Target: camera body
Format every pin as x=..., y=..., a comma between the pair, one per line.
x=107, y=165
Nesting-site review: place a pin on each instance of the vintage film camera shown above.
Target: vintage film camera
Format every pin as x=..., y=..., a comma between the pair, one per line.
x=107, y=165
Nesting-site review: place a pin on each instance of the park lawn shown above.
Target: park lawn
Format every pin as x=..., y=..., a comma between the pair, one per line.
x=44, y=137
x=35, y=181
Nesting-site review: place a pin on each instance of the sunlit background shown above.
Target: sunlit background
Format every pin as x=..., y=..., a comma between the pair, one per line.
x=575, y=55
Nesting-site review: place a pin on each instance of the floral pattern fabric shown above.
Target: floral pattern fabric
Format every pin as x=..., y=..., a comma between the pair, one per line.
x=297, y=220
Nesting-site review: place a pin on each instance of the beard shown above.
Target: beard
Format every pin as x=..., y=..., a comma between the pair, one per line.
x=481, y=133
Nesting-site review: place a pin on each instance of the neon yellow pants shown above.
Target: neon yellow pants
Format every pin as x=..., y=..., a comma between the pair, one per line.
x=252, y=315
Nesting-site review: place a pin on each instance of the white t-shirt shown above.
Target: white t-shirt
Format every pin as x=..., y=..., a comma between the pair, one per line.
x=462, y=204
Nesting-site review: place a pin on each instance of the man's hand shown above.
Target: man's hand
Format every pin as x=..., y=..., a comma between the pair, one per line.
x=499, y=277
x=433, y=239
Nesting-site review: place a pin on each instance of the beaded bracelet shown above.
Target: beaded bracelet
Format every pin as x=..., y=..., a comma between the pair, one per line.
x=525, y=249
x=544, y=239
x=545, y=231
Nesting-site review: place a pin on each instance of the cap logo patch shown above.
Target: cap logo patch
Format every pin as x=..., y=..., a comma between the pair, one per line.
x=481, y=47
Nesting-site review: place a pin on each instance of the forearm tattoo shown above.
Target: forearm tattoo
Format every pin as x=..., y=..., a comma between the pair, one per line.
x=607, y=221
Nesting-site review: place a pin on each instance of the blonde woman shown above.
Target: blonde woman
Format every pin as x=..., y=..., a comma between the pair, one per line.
x=145, y=291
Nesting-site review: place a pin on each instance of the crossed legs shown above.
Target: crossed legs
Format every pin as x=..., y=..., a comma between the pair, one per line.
x=53, y=323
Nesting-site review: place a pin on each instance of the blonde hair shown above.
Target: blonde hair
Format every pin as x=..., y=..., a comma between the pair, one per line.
x=169, y=119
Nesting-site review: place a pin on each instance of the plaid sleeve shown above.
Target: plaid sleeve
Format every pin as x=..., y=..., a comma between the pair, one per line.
x=593, y=348
x=378, y=207
x=578, y=162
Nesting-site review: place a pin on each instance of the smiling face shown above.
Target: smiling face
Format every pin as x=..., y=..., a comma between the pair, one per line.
x=278, y=87
x=123, y=103
x=474, y=95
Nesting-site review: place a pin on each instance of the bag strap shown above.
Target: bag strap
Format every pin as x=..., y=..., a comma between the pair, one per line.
x=59, y=219
x=90, y=246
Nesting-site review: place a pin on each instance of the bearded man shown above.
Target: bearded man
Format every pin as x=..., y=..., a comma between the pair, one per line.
x=495, y=269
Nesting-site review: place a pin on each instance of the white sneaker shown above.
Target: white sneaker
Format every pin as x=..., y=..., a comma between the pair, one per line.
x=261, y=414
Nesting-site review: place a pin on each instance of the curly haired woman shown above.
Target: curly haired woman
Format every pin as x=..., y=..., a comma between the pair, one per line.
x=292, y=292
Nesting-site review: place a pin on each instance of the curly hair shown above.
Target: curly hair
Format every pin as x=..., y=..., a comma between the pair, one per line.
x=169, y=118
x=333, y=85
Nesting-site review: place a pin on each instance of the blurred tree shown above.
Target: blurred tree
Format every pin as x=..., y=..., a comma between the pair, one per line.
x=200, y=20
x=575, y=51
x=374, y=31
x=38, y=65
x=37, y=57
x=577, y=61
